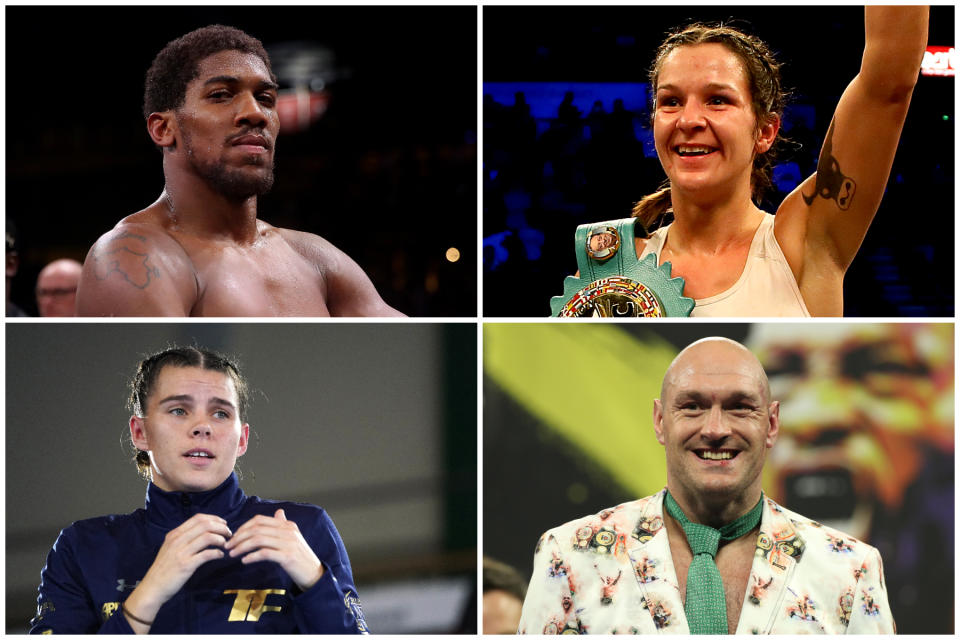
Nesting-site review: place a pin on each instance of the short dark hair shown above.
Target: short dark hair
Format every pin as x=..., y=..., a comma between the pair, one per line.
x=145, y=378
x=179, y=62
x=499, y=576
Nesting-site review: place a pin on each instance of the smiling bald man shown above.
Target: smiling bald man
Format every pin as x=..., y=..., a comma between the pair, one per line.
x=709, y=554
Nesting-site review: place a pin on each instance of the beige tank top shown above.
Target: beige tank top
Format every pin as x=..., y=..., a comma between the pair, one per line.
x=766, y=288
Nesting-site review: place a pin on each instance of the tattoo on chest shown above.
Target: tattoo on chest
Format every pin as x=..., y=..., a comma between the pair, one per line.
x=831, y=183
x=139, y=271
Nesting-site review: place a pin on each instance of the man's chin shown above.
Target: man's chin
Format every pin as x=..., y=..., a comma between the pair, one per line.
x=719, y=490
x=238, y=183
x=243, y=187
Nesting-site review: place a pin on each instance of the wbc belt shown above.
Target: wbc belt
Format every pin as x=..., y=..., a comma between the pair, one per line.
x=612, y=283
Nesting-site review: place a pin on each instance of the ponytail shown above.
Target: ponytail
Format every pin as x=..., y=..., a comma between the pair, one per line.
x=653, y=208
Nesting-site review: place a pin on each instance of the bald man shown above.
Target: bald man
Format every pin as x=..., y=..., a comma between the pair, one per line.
x=709, y=554
x=57, y=288
x=503, y=592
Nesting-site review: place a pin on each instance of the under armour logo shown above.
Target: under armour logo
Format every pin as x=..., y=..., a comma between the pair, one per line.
x=122, y=584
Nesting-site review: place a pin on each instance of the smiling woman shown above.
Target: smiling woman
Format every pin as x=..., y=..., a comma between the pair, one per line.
x=717, y=108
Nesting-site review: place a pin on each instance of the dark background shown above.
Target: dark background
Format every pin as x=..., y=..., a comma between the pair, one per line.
x=388, y=174
x=542, y=177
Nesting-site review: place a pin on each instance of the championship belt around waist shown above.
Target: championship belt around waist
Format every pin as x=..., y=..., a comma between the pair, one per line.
x=613, y=283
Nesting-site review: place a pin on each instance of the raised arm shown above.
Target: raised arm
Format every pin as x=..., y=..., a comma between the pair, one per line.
x=349, y=290
x=826, y=217
x=134, y=270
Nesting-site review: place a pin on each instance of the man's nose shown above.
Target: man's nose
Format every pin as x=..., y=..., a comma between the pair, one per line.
x=715, y=426
x=250, y=112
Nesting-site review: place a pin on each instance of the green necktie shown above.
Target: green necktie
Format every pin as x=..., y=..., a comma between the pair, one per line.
x=706, y=607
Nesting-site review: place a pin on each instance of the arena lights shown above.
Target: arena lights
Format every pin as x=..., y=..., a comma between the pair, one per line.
x=299, y=108
x=938, y=61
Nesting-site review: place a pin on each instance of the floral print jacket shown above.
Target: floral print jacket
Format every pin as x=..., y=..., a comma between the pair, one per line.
x=613, y=573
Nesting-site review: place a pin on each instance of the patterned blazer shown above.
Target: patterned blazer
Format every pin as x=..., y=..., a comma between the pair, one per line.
x=613, y=573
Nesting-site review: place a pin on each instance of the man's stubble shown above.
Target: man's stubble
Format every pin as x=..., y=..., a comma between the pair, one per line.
x=233, y=184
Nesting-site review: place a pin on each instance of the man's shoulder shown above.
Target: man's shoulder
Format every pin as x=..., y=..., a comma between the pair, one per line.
x=314, y=248
x=817, y=537
x=349, y=290
x=137, y=268
x=623, y=517
x=143, y=227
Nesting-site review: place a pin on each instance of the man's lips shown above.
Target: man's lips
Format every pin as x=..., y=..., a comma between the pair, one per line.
x=717, y=455
x=251, y=142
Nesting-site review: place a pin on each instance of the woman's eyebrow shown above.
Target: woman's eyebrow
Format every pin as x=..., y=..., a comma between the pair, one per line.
x=712, y=86
x=222, y=402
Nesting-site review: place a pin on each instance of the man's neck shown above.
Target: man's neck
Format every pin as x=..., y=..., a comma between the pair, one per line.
x=192, y=207
x=715, y=512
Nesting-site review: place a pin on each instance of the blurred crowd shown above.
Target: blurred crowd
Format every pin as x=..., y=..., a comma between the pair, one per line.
x=544, y=176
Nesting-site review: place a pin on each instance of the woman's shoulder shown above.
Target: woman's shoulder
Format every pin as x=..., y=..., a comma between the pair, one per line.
x=654, y=241
x=301, y=512
x=641, y=245
x=93, y=532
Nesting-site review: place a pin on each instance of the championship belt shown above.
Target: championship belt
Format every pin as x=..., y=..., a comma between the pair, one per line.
x=613, y=283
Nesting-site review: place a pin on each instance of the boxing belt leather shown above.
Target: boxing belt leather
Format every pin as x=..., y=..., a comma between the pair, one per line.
x=613, y=283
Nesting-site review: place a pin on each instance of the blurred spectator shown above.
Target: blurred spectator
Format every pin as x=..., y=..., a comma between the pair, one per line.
x=13, y=263
x=503, y=592
x=57, y=288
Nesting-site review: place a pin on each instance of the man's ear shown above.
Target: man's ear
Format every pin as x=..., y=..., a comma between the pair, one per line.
x=162, y=127
x=658, y=420
x=774, y=429
x=138, y=434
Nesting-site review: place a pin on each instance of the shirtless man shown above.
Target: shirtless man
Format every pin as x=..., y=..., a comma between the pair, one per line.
x=709, y=554
x=199, y=250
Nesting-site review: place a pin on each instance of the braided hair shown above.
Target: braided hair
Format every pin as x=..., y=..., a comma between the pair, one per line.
x=148, y=370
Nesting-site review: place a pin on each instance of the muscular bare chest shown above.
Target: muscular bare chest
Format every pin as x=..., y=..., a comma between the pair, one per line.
x=268, y=278
x=734, y=562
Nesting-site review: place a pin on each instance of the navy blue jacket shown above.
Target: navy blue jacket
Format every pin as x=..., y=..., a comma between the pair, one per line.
x=95, y=564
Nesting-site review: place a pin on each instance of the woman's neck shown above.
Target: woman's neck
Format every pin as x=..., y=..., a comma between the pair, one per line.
x=709, y=225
